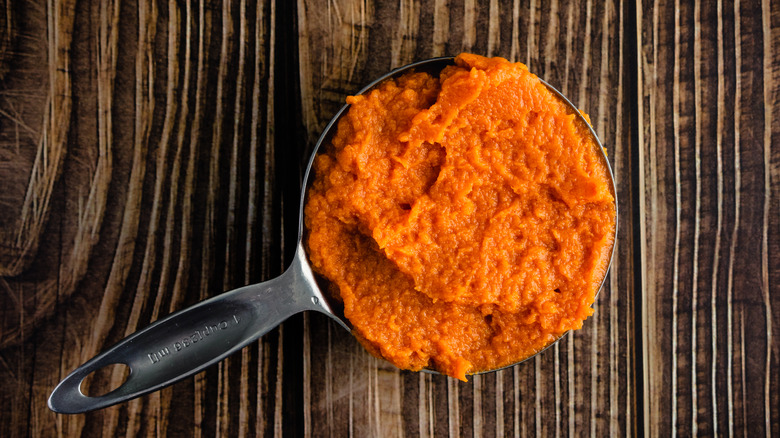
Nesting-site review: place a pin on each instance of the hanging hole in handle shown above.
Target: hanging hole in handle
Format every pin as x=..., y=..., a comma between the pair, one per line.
x=104, y=380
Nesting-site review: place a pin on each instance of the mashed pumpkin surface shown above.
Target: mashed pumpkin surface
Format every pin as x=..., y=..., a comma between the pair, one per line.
x=466, y=221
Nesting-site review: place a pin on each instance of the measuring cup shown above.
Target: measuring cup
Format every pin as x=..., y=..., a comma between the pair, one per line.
x=190, y=340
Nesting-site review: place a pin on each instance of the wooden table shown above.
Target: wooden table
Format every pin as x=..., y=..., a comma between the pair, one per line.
x=151, y=156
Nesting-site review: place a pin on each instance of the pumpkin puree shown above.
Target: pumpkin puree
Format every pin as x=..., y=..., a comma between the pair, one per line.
x=466, y=221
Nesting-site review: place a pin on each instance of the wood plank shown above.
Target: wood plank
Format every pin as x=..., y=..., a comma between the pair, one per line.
x=161, y=127
x=577, y=46
x=708, y=79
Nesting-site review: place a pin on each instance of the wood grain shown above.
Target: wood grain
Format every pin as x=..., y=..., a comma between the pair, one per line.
x=160, y=146
x=19, y=241
x=709, y=251
x=159, y=248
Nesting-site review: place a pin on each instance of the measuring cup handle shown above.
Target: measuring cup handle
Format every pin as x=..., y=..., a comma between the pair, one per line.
x=192, y=339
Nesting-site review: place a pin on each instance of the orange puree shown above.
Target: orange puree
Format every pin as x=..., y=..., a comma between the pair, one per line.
x=466, y=221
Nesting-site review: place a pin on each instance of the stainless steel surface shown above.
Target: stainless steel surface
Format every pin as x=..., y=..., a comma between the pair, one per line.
x=190, y=340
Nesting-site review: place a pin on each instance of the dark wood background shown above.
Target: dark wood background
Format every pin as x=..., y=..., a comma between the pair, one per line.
x=151, y=156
